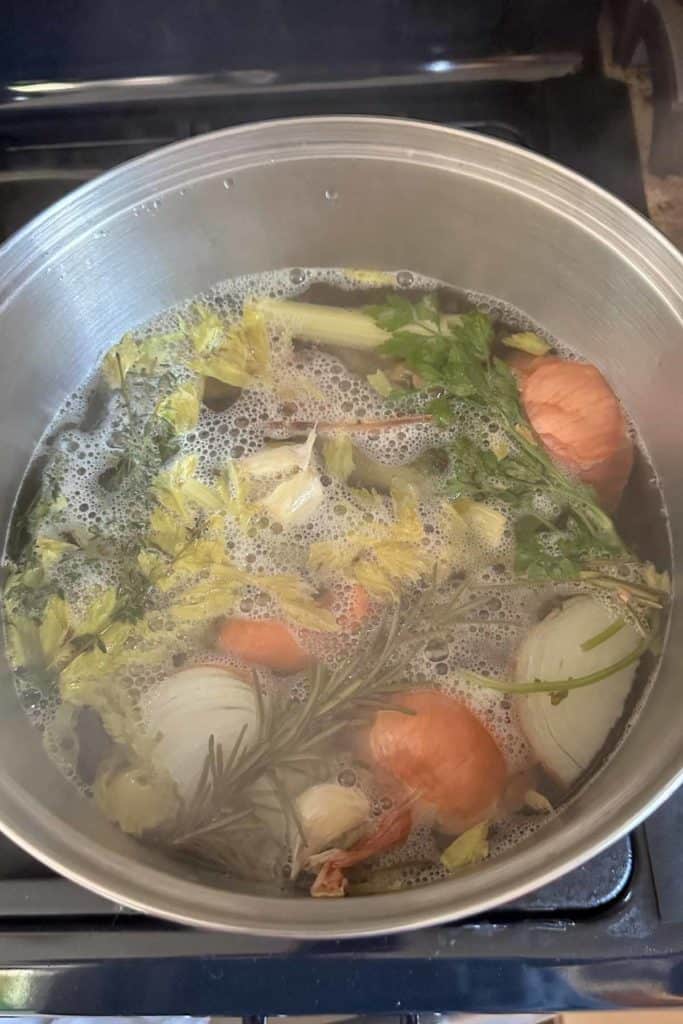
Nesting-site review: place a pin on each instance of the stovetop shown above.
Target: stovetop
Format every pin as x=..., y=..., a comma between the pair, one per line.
x=610, y=933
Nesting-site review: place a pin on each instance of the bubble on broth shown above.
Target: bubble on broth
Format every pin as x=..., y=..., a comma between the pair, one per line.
x=334, y=394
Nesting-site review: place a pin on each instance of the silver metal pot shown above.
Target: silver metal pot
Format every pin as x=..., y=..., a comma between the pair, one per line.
x=341, y=192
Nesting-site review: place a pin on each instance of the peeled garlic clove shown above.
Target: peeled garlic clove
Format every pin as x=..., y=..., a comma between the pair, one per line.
x=487, y=524
x=327, y=813
x=276, y=460
x=294, y=501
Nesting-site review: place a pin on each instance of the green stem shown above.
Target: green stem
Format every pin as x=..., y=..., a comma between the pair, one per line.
x=558, y=685
x=639, y=590
x=597, y=522
x=126, y=395
x=649, y=596
x=603, y=635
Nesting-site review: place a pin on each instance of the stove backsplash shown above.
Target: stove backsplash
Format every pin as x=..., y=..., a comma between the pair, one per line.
x=94, y=39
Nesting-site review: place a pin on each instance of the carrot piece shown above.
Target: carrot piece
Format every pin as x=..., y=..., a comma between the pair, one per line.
x=271, y=643
x=444, y=753
x=359, y=609
x=353, y=616
x=579, y=419
x=267, y=642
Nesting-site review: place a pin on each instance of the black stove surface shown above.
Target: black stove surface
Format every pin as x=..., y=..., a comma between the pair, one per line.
x=608, y=934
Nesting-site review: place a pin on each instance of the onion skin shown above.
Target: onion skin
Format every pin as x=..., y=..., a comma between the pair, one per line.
x=445, y=754
x=579, y=420
x=393, y=828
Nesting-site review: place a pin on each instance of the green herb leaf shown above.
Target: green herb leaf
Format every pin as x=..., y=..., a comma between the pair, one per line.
x=556, y=550
x=338, y=456
x=474, y=332
x=395, y=313
x=478, y=473
x=380, y=383
x=442, y=410
x=427, y=309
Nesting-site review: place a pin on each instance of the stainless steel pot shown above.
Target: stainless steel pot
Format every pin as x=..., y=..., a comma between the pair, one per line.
x=340, y=192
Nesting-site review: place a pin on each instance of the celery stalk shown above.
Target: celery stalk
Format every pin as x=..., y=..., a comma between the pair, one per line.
x=324, y=325
x=527, y=341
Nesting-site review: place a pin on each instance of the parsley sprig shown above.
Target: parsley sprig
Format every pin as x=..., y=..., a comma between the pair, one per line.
x=454, y=362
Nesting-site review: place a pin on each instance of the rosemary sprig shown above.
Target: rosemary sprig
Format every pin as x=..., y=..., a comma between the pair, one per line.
x=291, y=733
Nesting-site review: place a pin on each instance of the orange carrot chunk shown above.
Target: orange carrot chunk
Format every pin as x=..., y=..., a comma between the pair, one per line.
x=350, y=614
x=579, y=419
x=266, y=642
x=443, y=753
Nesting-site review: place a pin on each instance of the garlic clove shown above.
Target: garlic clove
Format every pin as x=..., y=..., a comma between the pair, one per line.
x=328, y=812
x=277, y=460
x=294, y=501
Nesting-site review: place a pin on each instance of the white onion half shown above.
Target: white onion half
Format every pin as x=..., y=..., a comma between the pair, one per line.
x=183, y=710
x=567, y=737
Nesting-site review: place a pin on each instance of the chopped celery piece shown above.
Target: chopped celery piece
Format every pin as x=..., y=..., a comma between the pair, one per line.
x=527, y=341
x=324, y=325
